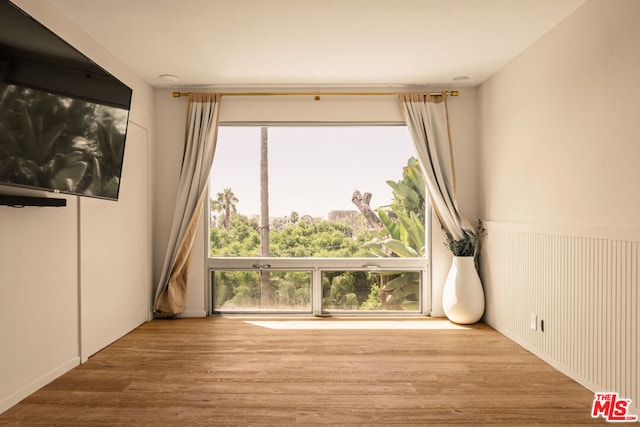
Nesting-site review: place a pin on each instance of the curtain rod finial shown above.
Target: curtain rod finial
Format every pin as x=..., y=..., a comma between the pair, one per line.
x=455, y=93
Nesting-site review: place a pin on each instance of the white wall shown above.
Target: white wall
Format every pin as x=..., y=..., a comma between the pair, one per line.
x=38, y=297
x=559, y=151
x=48, y=256
x=170, y=129
x=560, y=124
x=115, y=258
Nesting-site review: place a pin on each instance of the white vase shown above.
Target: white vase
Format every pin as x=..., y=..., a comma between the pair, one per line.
x=463, y=296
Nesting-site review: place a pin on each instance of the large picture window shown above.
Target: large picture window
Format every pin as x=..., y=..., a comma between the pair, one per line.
x=292, y=194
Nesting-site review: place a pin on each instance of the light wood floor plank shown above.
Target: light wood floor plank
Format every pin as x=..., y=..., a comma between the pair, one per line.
x=227, y=371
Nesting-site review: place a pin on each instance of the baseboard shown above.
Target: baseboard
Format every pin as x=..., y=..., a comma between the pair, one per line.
x=589, y=385
x=583, y=281
x=193, y=314
x=548, y=360
x=35, y=385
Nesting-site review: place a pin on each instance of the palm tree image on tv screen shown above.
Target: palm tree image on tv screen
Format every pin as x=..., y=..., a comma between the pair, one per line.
x=59, y=143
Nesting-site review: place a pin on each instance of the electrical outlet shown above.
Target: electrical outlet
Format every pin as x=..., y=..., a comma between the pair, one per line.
x=534, y=321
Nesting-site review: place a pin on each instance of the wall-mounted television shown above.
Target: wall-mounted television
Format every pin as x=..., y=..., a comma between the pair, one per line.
x=63, y=118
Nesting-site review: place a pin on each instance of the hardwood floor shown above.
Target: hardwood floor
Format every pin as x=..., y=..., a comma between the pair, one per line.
x=325, y=371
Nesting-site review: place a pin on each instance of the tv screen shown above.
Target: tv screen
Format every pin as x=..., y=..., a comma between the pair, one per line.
x=63, y=119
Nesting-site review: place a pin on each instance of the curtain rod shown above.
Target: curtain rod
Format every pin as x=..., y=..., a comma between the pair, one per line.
x=317, y=95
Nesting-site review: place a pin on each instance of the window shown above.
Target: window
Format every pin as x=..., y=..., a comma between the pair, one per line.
x=331, y=193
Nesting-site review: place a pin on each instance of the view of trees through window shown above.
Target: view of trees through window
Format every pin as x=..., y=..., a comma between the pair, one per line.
x=316, y=192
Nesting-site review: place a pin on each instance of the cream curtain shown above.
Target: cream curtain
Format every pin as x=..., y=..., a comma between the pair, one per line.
x=427, y=118
x=200, y=143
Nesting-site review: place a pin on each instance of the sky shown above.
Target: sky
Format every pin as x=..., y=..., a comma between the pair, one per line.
x=312, y=170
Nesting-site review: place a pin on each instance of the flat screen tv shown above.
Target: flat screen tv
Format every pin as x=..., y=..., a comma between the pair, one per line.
x=63, y=119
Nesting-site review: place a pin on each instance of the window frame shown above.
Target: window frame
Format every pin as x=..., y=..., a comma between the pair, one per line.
x=318, y=265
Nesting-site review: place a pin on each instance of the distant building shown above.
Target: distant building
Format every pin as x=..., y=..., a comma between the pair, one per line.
x=354, y=219
x=344, y=216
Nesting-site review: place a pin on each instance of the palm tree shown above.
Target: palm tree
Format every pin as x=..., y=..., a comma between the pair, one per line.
x=225, y=202
x=264, y=212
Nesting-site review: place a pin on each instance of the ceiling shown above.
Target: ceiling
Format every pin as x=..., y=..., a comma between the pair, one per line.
x=316, y=43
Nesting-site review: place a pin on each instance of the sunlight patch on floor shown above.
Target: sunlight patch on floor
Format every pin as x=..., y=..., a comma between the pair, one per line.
x=337, y=324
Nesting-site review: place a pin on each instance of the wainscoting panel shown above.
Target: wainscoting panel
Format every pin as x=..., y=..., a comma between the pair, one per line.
x=581, y=284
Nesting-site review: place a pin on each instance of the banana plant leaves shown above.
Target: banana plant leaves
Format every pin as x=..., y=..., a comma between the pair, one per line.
x=403, y=236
